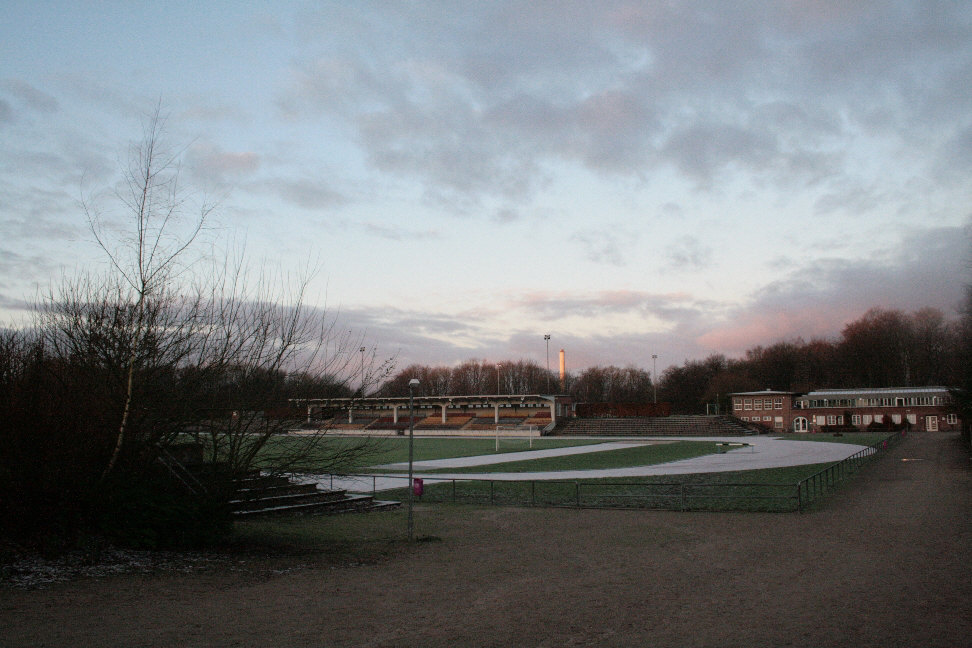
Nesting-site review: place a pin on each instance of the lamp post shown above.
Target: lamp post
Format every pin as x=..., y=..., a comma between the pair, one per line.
x=654, y=376
x=498, y=367
x=546, y=338
x=412, y=384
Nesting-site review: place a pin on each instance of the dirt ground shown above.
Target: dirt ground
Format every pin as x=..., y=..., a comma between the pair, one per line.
x=885, y=562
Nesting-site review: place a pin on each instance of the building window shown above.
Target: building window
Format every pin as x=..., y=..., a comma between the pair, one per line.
x=913, y=419
x=778, y=403
x=737, y=404
x=879, y=418
x=748, y=404
x=778, y=422
x=855, y=419
x=767, y=418
x=896, y=418
x=951, y=419
x=741, y=418
x=831, y=419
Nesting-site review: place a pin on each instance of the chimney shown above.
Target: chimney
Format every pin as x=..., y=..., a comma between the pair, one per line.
x=563, y=371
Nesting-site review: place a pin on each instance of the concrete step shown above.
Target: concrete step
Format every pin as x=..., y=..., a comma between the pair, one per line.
x=346, y=504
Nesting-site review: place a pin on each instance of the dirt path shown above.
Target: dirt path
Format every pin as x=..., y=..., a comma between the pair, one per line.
x=886, y=562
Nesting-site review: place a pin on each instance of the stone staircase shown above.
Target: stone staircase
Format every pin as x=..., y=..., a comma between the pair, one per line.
x=259, y=495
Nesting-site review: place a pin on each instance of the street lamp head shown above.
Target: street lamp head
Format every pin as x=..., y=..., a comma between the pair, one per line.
x=414, y=382
x=546, y=337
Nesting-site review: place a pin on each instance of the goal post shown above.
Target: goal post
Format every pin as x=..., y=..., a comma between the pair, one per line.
x=516, y=432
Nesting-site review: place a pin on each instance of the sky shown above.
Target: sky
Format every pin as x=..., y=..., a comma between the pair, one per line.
x=632, y=178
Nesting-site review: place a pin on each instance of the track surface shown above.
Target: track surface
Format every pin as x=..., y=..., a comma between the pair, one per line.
x=760, y=452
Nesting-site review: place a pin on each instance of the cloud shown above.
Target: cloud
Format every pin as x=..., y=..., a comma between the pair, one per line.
x=30, y=96
x=600, y=246
x=479, y=102
x=688, y=253
x=399, y=233
x=209, y=162
x=816, y=299
x=307, y=193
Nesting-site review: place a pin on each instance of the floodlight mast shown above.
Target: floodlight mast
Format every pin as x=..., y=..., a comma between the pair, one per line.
x=546, y=338
x=654, y=376
x=412, y=384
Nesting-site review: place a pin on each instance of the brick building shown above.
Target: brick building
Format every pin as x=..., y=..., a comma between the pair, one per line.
x=916, y=408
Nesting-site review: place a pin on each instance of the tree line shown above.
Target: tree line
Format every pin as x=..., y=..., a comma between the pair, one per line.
x=883, y=348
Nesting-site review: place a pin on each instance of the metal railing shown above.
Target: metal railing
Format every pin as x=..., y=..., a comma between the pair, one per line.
x=811, y=488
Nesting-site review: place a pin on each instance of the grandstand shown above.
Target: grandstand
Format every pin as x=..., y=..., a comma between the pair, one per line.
x=657, y=426
x=484, y=415
x=436, y=415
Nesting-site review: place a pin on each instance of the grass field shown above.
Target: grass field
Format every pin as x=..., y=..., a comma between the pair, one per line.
x=383, y=450
x=643, y=455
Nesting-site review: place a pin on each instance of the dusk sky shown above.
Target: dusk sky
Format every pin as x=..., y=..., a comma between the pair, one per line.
x=633, y=178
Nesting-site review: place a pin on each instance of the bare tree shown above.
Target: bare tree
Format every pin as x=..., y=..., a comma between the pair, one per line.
x=176, y=342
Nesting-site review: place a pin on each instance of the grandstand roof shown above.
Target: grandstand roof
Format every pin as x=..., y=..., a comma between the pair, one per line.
x=482, y=400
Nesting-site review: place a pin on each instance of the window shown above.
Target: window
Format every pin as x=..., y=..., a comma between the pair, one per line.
x=867, y=419
x=879, y=418
x=855, y=419
x=778, y=403
x=748, y=404
x=951, y=419
x=821, y=420
x=758, y=404
x=913, y=419
x=778, y=422
x=742, y=418
x=767, y=418
x=736, y=404
x=831, y=419
x=896, y=418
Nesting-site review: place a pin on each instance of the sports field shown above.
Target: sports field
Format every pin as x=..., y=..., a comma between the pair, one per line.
x=886, y=561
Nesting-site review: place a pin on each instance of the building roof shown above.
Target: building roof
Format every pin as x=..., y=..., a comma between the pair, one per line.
x=875, y=391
